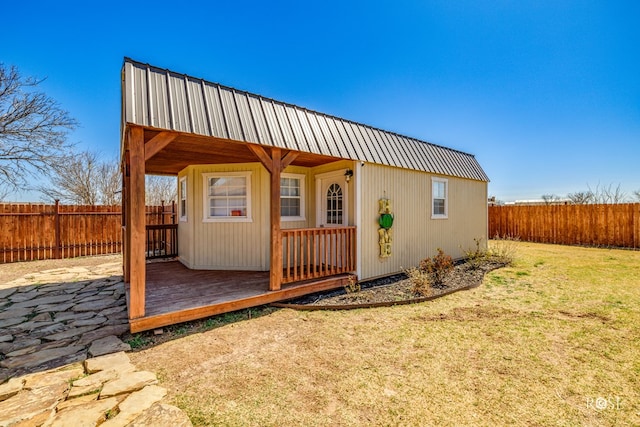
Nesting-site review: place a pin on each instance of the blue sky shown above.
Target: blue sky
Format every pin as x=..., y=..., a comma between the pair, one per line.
x=546, y=94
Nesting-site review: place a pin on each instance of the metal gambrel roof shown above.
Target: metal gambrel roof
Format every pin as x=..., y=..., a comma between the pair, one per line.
x=163, y=99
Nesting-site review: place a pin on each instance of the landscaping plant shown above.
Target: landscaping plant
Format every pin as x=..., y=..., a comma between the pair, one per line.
x=437, y=267
x=352, y=286
x=420, y=282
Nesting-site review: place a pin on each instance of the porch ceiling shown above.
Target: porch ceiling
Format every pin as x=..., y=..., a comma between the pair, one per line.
x=189, y=149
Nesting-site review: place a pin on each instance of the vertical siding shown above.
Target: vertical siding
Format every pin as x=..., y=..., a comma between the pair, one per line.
x=235, y=245
x=229, y=245
x=415, y=234
x=351, y=190
x=309, y=190
x=185, y=228
x=245, y=246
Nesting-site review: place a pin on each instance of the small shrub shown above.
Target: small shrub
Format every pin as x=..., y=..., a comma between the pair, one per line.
x=352, y=285
x=420, y=282
x=476, y=257
x=504, y=249
x=438, y=267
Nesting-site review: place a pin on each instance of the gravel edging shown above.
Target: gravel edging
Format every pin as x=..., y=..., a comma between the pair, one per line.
x=311, y=307
x=392, y=290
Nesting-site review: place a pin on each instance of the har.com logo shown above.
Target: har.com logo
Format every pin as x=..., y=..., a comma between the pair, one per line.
x=604, y=403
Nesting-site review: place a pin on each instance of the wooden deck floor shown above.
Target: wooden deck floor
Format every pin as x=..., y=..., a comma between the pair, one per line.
x=176, y=294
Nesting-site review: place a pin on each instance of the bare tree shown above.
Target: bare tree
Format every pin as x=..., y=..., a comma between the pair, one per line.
x=609, y=195
x=581, y=197
x=549, y=198
x=84, y=179
x=74, y=180
x=110, y=182
x=636, y=194
x=33, y=129
x=160, y=189
x=4, y=192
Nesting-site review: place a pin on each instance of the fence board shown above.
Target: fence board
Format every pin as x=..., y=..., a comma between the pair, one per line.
x=590, y=225
x=38, y=231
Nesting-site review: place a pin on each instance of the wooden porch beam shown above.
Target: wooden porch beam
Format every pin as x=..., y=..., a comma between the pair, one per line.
x=262, y=155
x=136, y=223
x=157, y=143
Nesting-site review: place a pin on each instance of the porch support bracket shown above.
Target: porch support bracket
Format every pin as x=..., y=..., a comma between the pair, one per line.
x=157, y=143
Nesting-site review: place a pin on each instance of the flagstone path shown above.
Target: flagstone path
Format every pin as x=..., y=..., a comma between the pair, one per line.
x=61, y=361
x=60, y=316
x=108, y=391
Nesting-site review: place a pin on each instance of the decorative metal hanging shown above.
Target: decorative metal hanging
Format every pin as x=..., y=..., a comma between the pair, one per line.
x=385, y=221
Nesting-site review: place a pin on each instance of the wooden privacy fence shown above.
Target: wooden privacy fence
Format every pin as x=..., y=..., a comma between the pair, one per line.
x=37, y=231
x=592, y=225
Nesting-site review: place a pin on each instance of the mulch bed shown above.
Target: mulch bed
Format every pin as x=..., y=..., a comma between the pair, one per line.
x=397, y=289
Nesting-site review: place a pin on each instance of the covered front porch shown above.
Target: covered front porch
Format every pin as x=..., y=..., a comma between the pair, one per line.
x=265, y=212
x=175, y=293
x=314, y=260
x=300, y=261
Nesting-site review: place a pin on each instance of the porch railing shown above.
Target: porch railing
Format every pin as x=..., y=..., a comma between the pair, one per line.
x=162, y=241
x=309, y=253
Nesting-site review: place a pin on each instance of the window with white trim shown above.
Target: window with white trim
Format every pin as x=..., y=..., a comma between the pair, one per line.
x=227, y=196
x=292, y=197
x=439, y=198
x=183, y=199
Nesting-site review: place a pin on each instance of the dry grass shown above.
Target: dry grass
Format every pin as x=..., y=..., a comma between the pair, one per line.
x=536, y=344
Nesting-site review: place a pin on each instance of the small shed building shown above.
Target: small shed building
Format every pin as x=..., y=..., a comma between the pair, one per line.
x=276, y=201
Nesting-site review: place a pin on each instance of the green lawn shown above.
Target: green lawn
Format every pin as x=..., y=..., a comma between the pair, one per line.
x=552, y=340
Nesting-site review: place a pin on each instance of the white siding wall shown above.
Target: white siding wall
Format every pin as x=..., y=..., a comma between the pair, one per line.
x=241, y=245
x=351, y=192
x=225, y=245
x=245, y=245
x=415, y=234
x=185, y=228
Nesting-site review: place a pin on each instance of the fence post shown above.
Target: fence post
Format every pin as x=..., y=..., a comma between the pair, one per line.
x=56, y=218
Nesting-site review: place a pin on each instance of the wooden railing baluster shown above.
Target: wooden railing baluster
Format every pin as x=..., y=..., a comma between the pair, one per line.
x=317, y=252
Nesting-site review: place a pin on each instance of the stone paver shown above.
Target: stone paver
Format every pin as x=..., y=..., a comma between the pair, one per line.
x=32, y=406
x=55, y=316
x=107, y=345
x=10, y=388
x=50, y=322
x=88, y=415
x=135, y=404
x=129, y=383
x=63, y=397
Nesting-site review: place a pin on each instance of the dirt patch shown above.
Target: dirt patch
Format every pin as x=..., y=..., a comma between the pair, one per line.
x=15, y=270
x=476, y=313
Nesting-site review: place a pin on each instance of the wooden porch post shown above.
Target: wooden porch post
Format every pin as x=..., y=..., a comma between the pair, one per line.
x=274, y=164
x=275, y=280
x=136, y=223
x=126, y=228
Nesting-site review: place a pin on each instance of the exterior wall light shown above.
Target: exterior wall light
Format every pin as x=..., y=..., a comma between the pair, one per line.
x=348, y=174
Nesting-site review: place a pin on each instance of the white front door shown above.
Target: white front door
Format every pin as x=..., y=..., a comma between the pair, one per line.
x=331, y=200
